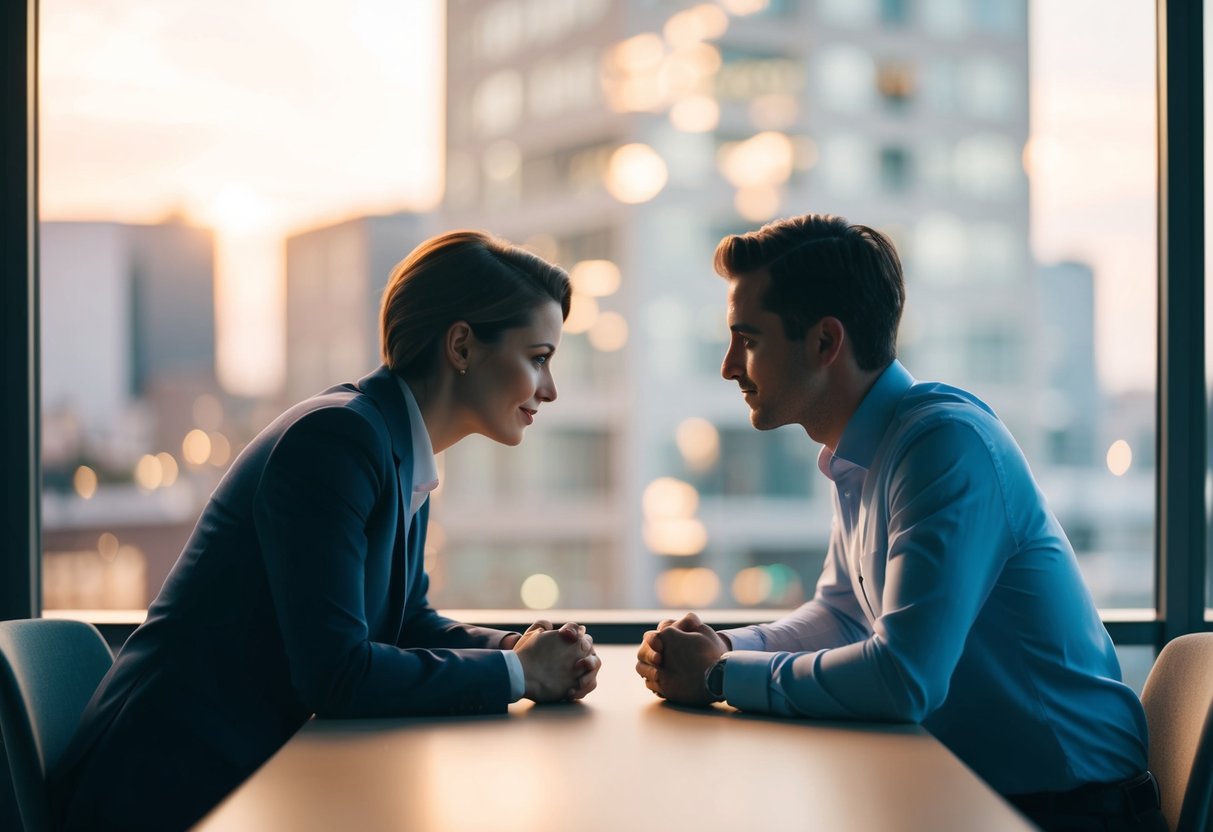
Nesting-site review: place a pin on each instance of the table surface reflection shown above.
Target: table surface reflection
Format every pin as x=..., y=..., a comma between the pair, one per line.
x=620, y=760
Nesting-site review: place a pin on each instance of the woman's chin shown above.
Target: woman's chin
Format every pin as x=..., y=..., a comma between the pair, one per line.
x=510, y=438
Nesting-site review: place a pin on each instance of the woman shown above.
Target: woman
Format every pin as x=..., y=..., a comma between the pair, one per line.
x=302, y=589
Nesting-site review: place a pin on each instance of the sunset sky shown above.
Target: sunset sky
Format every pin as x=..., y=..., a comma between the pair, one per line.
x=263, y=117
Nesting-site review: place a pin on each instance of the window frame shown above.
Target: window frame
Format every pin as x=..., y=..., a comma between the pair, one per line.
x=1181, y=521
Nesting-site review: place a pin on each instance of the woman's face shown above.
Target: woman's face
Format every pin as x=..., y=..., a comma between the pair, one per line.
x=507, y=381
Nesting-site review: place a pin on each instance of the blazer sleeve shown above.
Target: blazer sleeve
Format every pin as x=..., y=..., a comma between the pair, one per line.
x=321, y=483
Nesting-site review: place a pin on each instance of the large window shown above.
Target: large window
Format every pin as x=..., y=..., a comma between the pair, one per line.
x=217, y=224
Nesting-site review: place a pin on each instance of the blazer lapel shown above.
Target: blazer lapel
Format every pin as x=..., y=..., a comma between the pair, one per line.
x=383, y=388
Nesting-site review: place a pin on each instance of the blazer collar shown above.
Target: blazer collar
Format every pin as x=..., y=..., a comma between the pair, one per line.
x=385, y=391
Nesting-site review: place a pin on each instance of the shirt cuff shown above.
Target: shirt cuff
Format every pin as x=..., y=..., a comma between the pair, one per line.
x=517, y=678
x=747, y=680
x=744, y=638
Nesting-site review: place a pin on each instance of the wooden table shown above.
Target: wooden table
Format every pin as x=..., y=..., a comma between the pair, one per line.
x=621, y=760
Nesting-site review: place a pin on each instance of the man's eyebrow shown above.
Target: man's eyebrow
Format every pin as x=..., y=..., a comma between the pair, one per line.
x=744, y=329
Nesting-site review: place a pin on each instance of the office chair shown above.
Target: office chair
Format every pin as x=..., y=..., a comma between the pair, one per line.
x=1178, y=699
x=48, y=672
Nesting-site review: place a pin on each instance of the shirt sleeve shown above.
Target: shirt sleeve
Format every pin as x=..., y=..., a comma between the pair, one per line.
x=517, y=678
x=831, y=619
x=947, y=537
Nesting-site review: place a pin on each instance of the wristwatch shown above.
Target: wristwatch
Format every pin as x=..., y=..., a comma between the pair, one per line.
x=713, y=680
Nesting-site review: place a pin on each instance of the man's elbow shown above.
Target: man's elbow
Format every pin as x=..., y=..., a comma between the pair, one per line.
x=326, y=688
x=911, y=696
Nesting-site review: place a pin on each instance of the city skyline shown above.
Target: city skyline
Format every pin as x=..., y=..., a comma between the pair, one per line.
x=552, y=112
x=208, y=158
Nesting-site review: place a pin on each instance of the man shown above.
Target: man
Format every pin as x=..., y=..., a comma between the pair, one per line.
x=949, y=596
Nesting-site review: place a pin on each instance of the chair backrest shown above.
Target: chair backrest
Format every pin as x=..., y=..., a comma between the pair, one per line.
x=49, y=670
x=1178, y=698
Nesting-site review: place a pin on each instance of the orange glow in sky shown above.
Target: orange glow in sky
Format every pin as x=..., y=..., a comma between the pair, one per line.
x=257, y=119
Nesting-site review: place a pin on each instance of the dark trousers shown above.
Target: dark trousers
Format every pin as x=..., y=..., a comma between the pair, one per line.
x=1129, y=806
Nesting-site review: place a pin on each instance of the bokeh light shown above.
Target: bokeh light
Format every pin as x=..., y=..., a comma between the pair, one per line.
x=84, y=480
x=148, y=473
x=596, y=278
x=635, y=173
x=609, y=332
x=221, y=450
x=697, y=586
x=540, y=592
x=629, y=74
x=669, y=497
x=764, y=159
x=698, y=23
x=196, y=447
x=676, y=536
x=695, y=114
x=638, y=54
x=740, y=8
x=752, y=586
x=1120, y=457
x=689, y=71
x=757, y=203
x=583, y=312
x=699, y=443
x=168, y=468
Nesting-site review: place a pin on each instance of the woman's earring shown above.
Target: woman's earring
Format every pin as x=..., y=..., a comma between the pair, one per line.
x=463, y=372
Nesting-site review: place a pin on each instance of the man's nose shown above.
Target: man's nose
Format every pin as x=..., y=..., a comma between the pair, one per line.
x=729, y=367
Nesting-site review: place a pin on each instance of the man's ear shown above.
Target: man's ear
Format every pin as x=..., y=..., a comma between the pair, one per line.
x=457, y=346
x=825, y=341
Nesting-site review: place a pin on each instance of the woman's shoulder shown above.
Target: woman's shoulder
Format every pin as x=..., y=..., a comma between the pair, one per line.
x=342, y=411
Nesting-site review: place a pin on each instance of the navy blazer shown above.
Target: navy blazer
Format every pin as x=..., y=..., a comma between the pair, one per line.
x=297, y=594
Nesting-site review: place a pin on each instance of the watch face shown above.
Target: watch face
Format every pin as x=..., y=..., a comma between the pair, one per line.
x=715, y=680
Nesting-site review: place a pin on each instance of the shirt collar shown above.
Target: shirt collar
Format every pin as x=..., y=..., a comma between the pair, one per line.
x=870, y=421
x=425, y=467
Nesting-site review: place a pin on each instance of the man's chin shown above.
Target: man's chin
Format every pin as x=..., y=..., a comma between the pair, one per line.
x=760, y=422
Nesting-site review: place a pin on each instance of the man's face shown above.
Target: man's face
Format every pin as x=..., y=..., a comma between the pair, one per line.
x=769, y=368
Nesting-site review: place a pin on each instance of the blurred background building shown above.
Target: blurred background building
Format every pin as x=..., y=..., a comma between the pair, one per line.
x=623, y=140
x=334, y=280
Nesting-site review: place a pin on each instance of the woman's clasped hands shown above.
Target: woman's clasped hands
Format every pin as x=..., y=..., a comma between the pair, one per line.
x=559, y=664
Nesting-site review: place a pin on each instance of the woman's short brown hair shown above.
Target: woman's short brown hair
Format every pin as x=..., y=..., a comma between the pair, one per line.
x=462, y=276
x=822, y=266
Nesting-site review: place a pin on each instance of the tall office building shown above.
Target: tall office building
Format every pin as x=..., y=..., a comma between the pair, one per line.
x=126, y=310
x=1071, y=405
x=334, y=281
x=623, y=140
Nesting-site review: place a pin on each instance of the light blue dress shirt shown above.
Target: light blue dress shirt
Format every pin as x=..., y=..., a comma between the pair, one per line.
x=425, y=478
x=951, y=597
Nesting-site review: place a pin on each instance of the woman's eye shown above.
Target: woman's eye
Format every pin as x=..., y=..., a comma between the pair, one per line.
x=541, y=360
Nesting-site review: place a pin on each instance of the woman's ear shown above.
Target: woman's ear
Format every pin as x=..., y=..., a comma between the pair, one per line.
x=457, y=346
